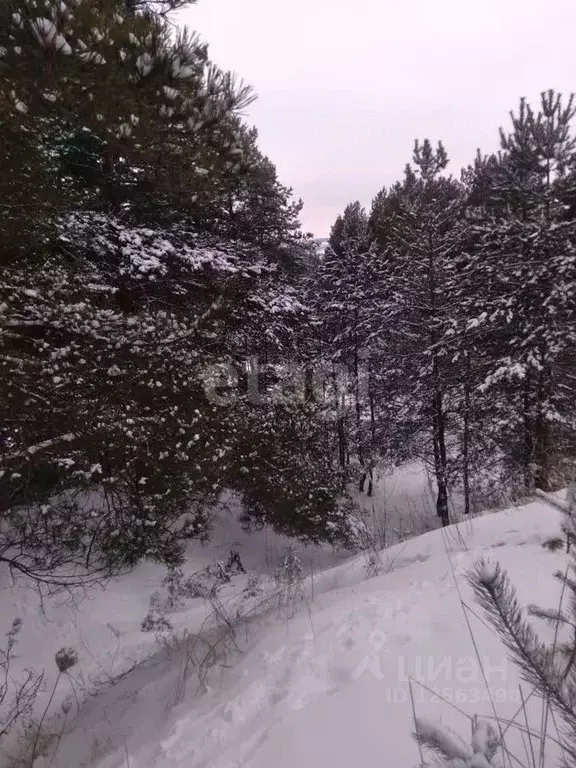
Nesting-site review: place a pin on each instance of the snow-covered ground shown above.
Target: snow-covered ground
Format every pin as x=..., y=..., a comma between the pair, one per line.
x=321, y=677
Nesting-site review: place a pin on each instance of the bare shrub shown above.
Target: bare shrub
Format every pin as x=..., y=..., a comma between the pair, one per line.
x=17, y=695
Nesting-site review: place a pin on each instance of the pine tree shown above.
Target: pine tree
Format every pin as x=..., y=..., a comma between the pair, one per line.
x=417, y=273
x=350, y=230
x=524, y=277
x=99, y=103
x=340, y=293
x=125, y=293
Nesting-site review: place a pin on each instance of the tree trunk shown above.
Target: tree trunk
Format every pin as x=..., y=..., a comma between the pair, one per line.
x=440, y=460
x=542, y=431
x=372, y=432
x=442, y=502
x=358, y=406
x=368, y=469
x=528, y=438
x=466, y=438
x=340, y=428
x=438, y=416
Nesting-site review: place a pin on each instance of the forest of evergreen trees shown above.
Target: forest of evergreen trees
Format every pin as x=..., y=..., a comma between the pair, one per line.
x=168, y=333
x=460, y=293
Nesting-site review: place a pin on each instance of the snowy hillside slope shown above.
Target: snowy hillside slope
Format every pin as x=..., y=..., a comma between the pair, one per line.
x=331, y=687
x=104, y=626
x=328, y=683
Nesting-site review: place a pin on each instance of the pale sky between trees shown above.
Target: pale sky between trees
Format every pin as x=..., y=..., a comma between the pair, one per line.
x=345, y=87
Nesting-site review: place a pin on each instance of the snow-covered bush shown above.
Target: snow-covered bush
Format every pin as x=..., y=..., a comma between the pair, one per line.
x=208, y=580
x=155, y=620
x=450, y=751
x=289, y=577
x=114, y=449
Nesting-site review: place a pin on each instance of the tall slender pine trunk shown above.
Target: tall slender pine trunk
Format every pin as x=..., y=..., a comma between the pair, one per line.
x=340, y=428
x=466, y=436
x=440, y=459
x=542, y=442
x=528, y=436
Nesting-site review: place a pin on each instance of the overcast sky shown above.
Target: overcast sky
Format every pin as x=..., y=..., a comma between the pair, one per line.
x=345, y=86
